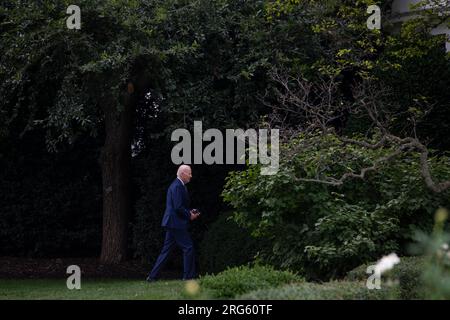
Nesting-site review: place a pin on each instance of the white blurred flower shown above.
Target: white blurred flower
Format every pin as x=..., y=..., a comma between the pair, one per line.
x=444, y=247
x=386, y=263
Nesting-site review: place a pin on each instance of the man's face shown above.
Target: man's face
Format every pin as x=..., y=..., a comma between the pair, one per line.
x=187, y=175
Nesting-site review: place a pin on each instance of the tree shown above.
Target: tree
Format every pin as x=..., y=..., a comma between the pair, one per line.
x=73, y=81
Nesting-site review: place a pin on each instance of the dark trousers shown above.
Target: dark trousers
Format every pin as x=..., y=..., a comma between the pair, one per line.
x=182, y=239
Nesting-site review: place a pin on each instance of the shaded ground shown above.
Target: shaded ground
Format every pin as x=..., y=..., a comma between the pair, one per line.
x=95, y=289
x=22, y=268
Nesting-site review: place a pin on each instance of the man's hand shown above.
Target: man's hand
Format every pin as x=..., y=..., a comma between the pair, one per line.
x=194, y=214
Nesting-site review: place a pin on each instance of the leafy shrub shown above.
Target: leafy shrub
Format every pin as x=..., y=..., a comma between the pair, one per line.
x=408, y=272
x=236, y=245
x=323, y=231
x=239, y=280
x=336, y=290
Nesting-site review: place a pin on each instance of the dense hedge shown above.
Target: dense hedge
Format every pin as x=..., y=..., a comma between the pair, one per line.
x=336, y=290
x=50, y=204
x=324, y=231
x=240, y=280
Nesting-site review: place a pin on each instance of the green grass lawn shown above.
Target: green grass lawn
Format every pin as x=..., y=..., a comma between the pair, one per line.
x=94, y=289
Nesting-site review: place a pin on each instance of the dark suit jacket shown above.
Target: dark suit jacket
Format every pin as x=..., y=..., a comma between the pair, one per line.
x=177, y=214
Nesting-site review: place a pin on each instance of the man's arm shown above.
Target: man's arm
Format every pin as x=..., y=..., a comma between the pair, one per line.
x=179, y=203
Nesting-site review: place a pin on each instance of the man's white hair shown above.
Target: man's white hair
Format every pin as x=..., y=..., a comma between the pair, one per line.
x=182, y=168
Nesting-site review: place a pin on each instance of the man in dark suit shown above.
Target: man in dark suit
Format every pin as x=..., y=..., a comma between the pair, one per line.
x=175, y=221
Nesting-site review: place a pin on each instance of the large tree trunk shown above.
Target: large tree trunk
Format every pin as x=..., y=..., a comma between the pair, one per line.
x=115, y=161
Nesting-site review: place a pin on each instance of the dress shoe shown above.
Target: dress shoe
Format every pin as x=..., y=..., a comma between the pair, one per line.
x=150, y=279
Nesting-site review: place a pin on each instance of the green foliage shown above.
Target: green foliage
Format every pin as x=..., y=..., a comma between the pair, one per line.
x=403, y=56
x=324, y=230
x=408, y=273
x=59, y=79
x=236, y=245
x=335, y=290
x=239, y=280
